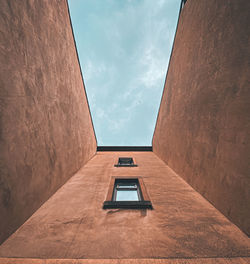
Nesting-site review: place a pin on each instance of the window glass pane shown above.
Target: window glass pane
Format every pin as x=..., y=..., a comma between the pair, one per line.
x=130, y=195
x=125, y=161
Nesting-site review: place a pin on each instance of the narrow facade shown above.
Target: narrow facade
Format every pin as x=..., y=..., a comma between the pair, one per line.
x=72, y=224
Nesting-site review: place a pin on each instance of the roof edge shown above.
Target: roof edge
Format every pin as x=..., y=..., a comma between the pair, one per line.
x=124, y=148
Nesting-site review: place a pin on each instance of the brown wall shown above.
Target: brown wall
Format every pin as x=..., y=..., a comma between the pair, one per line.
x=72, y=223
x=46, y=133
x=203, y=123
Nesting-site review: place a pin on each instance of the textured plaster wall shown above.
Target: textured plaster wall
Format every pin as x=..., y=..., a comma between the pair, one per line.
x=203, y=125
x=46, y=132
x=73, y=225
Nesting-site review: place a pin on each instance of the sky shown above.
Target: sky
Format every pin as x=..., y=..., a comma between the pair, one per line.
x=124, y=48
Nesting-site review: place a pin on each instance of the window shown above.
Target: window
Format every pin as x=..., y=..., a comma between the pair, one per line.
x=125, y=162
x=127, y=193
x=126, y=190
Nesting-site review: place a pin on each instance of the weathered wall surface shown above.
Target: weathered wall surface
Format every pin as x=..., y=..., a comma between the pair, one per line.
x=72, y=223
x=46, y=133
x=203, y=125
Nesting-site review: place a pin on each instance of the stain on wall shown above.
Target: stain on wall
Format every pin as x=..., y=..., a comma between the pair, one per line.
x=202, y=130
x=46, y=132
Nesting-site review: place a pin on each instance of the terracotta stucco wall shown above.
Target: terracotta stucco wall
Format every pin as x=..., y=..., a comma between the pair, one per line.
x=46, y=132
x=72, y=223
x=203, y=125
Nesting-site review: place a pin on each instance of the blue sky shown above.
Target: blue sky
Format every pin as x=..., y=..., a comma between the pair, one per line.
x=124, y=48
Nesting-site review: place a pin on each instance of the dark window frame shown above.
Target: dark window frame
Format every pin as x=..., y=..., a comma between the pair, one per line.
x=143, y=203
x=122, y=162
x=118, y=186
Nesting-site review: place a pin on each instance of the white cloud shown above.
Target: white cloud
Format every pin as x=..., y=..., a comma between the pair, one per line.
x=100, y=113
x=92, y=71
x=137, y=100
x=155, y=68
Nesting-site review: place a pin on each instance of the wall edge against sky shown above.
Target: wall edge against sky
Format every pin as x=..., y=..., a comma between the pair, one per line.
x=73, y=35
x=165, y=81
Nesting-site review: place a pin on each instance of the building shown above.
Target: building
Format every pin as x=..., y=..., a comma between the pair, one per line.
x=53, y=182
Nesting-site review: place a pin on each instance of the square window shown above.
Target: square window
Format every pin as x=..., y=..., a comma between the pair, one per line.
x=125, y=162
x=128, y=193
